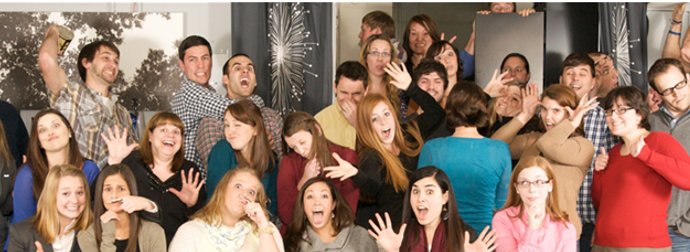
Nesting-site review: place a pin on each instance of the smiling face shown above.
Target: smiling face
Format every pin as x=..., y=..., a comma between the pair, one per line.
x=376, y=64
x=625, y=124
x=383, y=123
x=420, y=39
x=579, y=78
x=427, y=200
x=241, y=79
x=237, y=133
x=242, y=189
x=166, y=140
x=71, y=198
x=449, y=60
x=552, y=113
x=532, y=194
x=677, y=101
x=509, y=103
x=53, y=134
x=197, y=64
x=300, y=142
x=432, y=83
x=114, y=188
x=318, y=205
x=104, y=66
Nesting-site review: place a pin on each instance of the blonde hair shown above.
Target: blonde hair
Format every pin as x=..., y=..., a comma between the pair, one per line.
x=514, y=200
x=395, y=171
x=212, y=213
x=392, y=91
x=47, y=219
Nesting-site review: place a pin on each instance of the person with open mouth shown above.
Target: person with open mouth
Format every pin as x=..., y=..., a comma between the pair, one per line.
x=531, y=220
x=560, y=139
x=325, y=222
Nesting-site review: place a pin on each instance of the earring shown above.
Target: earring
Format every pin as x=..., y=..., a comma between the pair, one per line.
x=444, y=213
x=332, y=215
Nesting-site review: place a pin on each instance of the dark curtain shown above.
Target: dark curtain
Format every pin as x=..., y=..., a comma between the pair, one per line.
x=311, y=72
x=623, y=28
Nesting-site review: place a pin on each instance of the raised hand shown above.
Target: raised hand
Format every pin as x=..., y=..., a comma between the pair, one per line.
x=116, y=140
x=678, y=11
x=311, y=169
x=401, y=79
x=349, y=110
x=575, y=116
x=384, y=234
x=108, y=216
x=343, y=171
x=497, y=83
x=190, y=188
x=256, y=213
x=602, y=160
x=530, y=101
x=535, y=215
x=451, y=40
x=485, y=241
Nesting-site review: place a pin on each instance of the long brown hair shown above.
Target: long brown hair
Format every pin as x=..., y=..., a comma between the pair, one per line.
x=212, y=212
x=36, y=155
x=47, y=219
x=261, y=155
x=566, y=97
x=455, y=226
x=298, y=121
x=6, y=158
x=514, y=200
x=395, y=171
x=162, y=118
x=99, y=209
x=343, y=216
x=428, y=24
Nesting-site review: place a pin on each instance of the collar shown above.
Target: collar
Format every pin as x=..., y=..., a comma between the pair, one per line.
x=187, y=81
x=669, y=115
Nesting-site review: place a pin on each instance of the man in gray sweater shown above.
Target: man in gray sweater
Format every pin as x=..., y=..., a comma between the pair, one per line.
x=669, y=79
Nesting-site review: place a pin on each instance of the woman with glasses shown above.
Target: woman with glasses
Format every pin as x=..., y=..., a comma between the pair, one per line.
x=560, y=140
x=632, y=184
x=376, y=53
x=531, y=220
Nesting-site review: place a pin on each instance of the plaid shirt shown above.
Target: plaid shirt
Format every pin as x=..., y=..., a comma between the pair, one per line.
x=600, y=135
x=210, y=131
x=89, y=117
x=193, y=102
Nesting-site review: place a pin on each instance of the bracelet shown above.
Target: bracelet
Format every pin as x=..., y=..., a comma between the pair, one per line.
x=266, y=230
x=674, y=33
x=676, y=21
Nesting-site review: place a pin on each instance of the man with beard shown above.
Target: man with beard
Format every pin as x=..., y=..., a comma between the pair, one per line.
x=90, y=108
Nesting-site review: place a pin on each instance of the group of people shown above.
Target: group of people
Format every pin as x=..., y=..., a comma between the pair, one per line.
x=409, y=157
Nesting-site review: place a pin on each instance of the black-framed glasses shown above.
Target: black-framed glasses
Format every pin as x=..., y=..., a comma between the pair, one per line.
x=679, y=85
x=380, y=54
x=537, y=183
x=618, y=111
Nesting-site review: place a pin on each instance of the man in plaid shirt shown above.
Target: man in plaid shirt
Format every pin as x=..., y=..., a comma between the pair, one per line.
x=90, y=108
x=579, y=74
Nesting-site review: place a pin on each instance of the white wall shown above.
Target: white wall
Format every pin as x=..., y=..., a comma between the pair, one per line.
x=659, y=15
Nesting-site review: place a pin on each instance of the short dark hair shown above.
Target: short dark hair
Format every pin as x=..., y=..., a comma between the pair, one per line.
x=578, y=59
x=227, y=62
x=661, y=66
x=633, y=97
x=517, y=55
x=88, y=52
x=192, y=41
x=381, y=20
x=427, y=66
x=466, y=106
x=352, y=70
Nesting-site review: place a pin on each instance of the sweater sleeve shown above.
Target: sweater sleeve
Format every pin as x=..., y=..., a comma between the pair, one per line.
x=667, y=157
x=87, y=238
x=557, y=145
x=287, y=182
x=23, y=203
x=433, y=112
x=508, y=133
x=152, y=237
x=370, y=177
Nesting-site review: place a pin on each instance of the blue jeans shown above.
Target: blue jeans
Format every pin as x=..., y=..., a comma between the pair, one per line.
x=586, y=237
x=680, y=242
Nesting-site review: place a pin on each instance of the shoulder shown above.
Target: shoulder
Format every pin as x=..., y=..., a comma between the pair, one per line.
x=149, y=227
x=222, y=146
x=23, y=228
x=24, y=172
x=89, y=166
x=194, y=227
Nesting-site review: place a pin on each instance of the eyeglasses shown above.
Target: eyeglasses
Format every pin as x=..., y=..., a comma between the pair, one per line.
x=516, y=70
x=679, y=85
x=537, y=183
x=380, y=54
x=618, y=111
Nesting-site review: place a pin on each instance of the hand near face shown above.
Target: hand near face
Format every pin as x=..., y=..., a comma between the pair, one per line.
x=190, y=188
x=485, y=241
x=530, y=102
x=349, y=110
x=311, y=169
x=116, y=140
x=602, y=160
x=132, y=204
x=401, y=78
x=585, y=105
x=108, y=216
x=451, y=40
x=256, y=214
x=384, y=234
x=535, y=215
x=343, y=171
x=497, y=83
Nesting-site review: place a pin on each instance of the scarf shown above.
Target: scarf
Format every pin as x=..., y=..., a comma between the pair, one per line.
x=437, y=245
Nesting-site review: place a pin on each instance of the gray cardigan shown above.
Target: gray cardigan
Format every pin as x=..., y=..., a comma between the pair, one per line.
x=151, y=238
x=679, y=208
x=350, y=239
